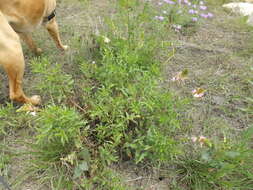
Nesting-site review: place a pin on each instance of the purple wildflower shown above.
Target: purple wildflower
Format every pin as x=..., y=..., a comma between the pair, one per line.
x=210, y=15
x=177, y=27
x=169, y=2
x=161, y=18
x=204, y=15
x=202, y=7
x=191, y=11
x=194, y=19
x=194, y=6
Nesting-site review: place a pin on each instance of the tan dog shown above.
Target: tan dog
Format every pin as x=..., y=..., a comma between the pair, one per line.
x=20, y=18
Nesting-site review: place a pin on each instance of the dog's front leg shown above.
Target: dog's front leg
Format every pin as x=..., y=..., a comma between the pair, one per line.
x=14, y=68
x=52, y=28
x=27, y=38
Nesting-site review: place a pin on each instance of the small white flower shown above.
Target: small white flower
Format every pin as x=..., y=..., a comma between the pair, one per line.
x=33, y=113
x=174, y=79
x=106, y=40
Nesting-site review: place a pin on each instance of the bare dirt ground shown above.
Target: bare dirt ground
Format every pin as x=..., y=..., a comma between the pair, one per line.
x=219, y=60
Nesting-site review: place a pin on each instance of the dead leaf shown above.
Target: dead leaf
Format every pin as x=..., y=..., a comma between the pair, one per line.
x=28, y=108
x=194, y=139
x=198, y=93
x=70, y=158
x=181, y=76
x=202, y=140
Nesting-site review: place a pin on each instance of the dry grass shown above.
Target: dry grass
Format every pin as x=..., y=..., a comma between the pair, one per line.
x=218, y=57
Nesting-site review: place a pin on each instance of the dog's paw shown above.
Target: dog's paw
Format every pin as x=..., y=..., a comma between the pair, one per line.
x=35, y=100
x=65, y=47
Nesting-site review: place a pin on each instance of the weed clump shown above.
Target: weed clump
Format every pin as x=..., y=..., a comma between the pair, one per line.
x=222, y=165
x=130, y=117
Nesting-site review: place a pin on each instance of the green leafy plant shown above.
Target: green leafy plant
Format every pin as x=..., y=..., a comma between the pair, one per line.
x=222, y=165
x=58, y=124
x=52, y=79
x=10, y=120
x=107, y=179
x=60, y=132
x=4, y=161
x=124, y=97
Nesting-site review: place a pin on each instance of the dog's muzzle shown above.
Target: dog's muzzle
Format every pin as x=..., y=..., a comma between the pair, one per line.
x=50, y=17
